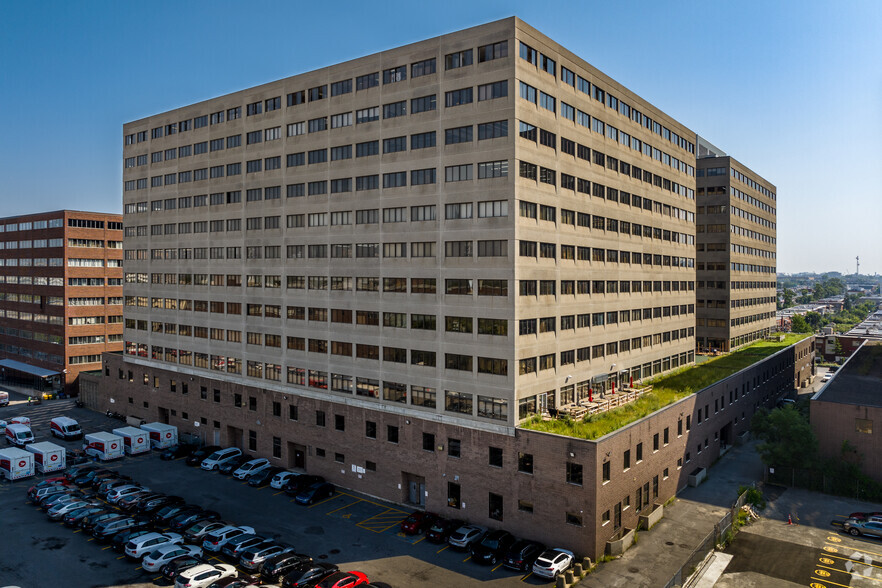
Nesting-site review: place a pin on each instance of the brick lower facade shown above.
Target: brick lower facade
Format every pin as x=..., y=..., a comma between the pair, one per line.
x=421, y=468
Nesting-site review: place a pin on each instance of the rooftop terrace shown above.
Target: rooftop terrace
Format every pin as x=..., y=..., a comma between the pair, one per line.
x=666, y=390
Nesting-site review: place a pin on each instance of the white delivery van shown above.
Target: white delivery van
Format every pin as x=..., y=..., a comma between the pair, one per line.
x=16, y=463
x=48, y=457
x=4, y=398
x=65, y=428
x=103, y=445
x=161, y=435
x=135, y=441
x=20, y=420
x=19, y=435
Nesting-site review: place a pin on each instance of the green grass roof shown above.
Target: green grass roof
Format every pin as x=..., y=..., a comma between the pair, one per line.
x=666, y=390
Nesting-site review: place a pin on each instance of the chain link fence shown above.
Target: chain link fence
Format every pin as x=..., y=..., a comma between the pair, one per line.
x=716, y=537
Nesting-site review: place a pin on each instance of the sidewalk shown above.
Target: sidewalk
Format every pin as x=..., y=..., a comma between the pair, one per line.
x=660, y=552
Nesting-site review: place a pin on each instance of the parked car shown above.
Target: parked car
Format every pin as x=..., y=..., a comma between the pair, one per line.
x=116, y=494
x=417, y=522
x=252, y=557
x=74, y=472
x=118, y=543
x=219, y=457
x=105, y=531
x=215, y=540
x=89, y=523
x=162, y=515
x=298, y=484
x=465, y=536
x=186, y=520
x=263, y=477
x=196, y=457
x=131, y=503
x=81, y=519
x=864, y=515
x=177, y=451
x=74, y=457
x=173, y=568
x=281, y=478
x=233, y=548
x=441, y=529
x=308, y=574
x=492, y=547
x=242, y=581
x=552, y=562
x=161, y=556
x=197, y=531
x=204, y=575
x=522, y=554
x=228, y=467
x=141, y=546
x=251, y=467
x=858, y=527
x=151, y=505
x=343, y=580
x=279, y=565
x=73, y=518
x=58, y=512
x=316, y=492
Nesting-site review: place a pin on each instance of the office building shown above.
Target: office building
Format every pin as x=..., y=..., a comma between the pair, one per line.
x=379, y=271
x=61, y=304
x=736, y=252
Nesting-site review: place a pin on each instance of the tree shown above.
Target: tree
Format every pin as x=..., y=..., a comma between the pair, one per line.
x=788, y=297
x=798, y=324
x=787, y=437
x=814, y=320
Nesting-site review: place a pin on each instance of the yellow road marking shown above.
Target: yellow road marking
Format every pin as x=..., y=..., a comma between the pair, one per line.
x=861, y=549
x=344, y=506
x=467, y=559
x=120, y=557
x=78, y=530
x=496, y=568
x=139, y=568
x=90, y=539
x=420, y=539
x=105, y=548
x=328, y=499
x=850, y=573
x=829, y=561
x=279, y=492
x=524, y=579
x=157, y=578
x=442, y=549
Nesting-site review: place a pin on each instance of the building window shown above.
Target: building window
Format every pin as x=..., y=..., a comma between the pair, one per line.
x=606, y=471
x=495, y=457
x=574, y=473
x=252, y=440
x=370, y=429
x=392, y=434
x=863, y=426
x=495, y=506
x=319, y=418
x=454, y=447
x=428, y=442
x=453, y=495
x=525, y=463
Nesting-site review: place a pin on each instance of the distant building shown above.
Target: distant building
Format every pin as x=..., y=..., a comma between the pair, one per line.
x=736, y=291
x=831, y=347
x=61, y=295
x=849, y=408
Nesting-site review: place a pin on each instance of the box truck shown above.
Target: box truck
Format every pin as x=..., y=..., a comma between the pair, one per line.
x=48, y=457
x=16, y=463
x=103, y=445
x=135, y=441
x=161, y=435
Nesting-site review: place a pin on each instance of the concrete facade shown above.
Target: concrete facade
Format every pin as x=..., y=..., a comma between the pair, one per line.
x=737, y=252
x=406, y=276
x=61, y=304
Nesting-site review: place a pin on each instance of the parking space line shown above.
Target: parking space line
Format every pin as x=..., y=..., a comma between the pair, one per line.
x=524, y=579
x=849, y=573
x=120, y=557
x=829, y=581
x=418, y=540
x=467, y=559
x=442, y=549
x=344, y=506
x=496, y=568
x=857, y=561
x=279, y=492
x=328, y=499
x=380, y=522
x=139, y=568
x=90, y=539
x=105, y=548
x=855, y=549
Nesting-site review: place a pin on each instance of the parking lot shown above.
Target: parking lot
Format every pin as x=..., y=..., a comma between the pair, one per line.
x=355, y=532
x=812, y=552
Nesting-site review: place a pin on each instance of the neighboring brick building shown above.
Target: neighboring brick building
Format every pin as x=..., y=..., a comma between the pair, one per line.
x=848, y=407
x=60, y=295
x=834, y=347
x=736, y=252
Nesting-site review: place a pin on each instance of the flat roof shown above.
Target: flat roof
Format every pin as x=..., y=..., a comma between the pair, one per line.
x=859, y=380
x=26, y=368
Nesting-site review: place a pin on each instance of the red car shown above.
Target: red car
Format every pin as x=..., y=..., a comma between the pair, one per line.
x=343, y=580
x=417, y=522
x=864, y=515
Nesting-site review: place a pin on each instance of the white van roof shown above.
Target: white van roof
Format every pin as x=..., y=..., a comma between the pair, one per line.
x=64, y=421
x=44, y=446
x=17, y=427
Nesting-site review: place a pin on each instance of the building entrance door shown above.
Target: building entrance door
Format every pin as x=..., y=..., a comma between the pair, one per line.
x=414, y=489
x=296, y=456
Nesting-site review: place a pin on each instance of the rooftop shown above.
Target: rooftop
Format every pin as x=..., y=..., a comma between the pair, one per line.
x=666, y=390
x=859, y=380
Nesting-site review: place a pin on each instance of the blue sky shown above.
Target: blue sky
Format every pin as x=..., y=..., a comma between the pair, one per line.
x=791, y=89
